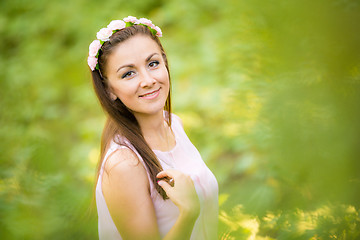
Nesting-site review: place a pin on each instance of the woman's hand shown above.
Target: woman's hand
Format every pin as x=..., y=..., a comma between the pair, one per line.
x=182, y=194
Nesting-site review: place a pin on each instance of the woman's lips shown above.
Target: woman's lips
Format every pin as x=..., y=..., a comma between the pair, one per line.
x=151, y=95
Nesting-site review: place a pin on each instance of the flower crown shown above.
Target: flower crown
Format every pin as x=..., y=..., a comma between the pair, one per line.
x=105, y=33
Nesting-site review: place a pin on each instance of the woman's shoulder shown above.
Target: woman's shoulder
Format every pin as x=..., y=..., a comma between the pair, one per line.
x=119, y=150
x=118, y=142
x=122, y=158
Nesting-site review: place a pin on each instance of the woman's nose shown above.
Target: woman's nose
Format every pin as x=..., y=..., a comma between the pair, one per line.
x=146, y=79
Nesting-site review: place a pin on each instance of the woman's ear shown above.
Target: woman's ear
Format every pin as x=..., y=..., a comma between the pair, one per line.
x=112, y=96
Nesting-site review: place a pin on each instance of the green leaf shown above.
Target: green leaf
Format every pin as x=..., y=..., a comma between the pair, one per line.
x=129, y=24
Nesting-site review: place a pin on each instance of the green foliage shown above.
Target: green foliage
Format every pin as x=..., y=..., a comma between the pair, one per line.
x=268, y=92
x=327, y=222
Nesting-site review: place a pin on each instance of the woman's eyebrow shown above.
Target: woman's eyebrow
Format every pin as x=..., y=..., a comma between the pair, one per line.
x=127, y=65
x=150, y=56
x=132, y=65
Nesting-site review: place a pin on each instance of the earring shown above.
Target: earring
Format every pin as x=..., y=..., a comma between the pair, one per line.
x=113, y=96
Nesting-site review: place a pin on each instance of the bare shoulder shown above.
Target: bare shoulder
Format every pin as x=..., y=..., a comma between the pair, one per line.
x=123, y=156
x=122, y=166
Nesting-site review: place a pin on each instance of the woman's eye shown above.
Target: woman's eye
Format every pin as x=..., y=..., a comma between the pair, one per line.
x=153, y=64
x=128, y=74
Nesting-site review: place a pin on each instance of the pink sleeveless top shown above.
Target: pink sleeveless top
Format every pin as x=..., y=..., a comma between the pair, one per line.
x=183, y=157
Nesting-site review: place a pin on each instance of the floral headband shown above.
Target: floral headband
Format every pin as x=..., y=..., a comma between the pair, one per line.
x=105, y=33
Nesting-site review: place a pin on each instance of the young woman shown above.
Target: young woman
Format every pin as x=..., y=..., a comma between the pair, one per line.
x=152, y=182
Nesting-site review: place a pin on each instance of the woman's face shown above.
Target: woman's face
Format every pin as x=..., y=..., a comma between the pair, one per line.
x=137, y=75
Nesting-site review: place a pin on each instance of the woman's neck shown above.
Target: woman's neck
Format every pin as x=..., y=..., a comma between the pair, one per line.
x=156, y=131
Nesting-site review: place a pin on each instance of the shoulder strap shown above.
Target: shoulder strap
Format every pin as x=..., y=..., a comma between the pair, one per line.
x=176, y=124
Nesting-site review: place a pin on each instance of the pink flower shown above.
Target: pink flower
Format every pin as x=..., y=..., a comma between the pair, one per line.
x=116, y=25
x=130, y=19
x=104, y=34
x=94, y=48
x=92, y=62
x=146, y=22
x=158, y=31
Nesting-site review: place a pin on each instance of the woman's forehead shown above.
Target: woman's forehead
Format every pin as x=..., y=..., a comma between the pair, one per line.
x=134, y=48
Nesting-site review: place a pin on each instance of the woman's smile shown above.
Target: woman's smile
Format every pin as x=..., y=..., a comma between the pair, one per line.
x=151, y=95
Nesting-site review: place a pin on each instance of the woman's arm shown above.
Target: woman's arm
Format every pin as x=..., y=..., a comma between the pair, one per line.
x=126, y=191
x=127, y=194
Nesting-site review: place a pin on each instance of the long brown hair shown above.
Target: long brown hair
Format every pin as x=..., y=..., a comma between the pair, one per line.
x=120, y=121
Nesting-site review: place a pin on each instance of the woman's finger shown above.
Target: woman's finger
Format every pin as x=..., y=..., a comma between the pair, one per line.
x=165, y=186
x=167, y=173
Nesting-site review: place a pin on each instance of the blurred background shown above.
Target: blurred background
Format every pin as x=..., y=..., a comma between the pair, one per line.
x=269, y=92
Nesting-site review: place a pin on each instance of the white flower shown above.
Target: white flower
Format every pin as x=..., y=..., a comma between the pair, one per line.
x=146, y=22
x=104, y=34
x=92, y=62
x=158, y=31
x=116, y=25
x=130, y=19
x=94, y=48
